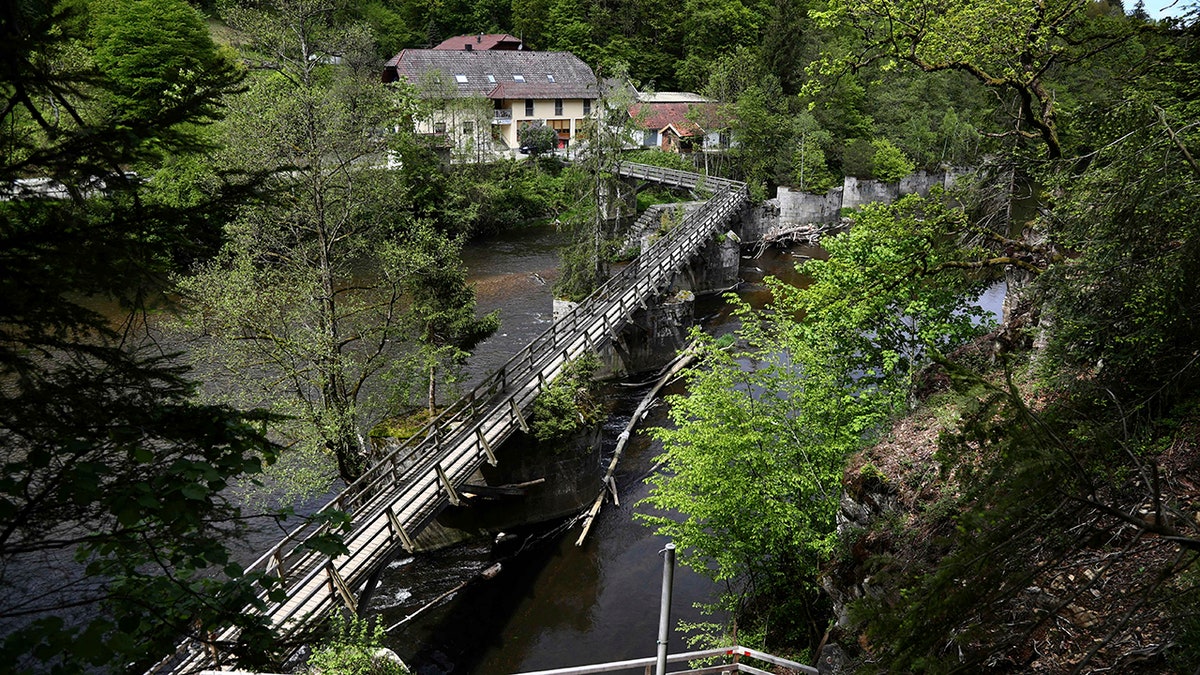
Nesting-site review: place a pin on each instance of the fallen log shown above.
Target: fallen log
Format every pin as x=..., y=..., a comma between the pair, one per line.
x=683, y=360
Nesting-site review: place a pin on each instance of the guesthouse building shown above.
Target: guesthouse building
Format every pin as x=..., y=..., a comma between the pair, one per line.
x=479, y=98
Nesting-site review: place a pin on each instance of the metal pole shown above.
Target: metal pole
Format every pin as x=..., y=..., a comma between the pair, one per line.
x=664, y=614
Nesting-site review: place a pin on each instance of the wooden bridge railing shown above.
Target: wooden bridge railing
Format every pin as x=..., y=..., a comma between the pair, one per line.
x=678, y=178
x=398, y=496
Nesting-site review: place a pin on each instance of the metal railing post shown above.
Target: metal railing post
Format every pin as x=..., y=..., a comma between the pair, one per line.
x=664, y=612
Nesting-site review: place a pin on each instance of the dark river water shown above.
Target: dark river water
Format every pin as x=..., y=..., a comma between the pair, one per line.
x=553, y=604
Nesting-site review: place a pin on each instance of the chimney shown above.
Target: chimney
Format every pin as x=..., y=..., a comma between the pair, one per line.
x=479, y=38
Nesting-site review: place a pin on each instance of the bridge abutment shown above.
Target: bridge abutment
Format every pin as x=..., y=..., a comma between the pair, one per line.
x=715, y=268
x=652, y=336
x=532, y=482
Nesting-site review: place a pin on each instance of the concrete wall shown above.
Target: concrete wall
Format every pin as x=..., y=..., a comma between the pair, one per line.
x=856, y=192
x=797, y=206
x=792, y=208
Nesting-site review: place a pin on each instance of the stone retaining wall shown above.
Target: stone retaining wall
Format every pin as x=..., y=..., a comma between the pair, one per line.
x=792, y=207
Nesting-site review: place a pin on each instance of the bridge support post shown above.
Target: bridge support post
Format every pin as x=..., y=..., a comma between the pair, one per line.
x=340, y=587
x=487, y=447
x=715, y=269
x=398, y=530
x=516, y=410
x=451, y=493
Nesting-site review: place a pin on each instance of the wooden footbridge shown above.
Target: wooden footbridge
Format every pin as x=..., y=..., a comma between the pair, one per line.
x=400, y=495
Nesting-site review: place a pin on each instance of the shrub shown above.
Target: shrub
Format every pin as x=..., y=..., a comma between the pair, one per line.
x=889, y=163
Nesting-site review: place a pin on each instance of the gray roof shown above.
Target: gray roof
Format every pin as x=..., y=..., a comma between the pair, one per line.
x=546, y=74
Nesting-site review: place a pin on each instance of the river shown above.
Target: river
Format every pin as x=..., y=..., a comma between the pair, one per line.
x=553, y=604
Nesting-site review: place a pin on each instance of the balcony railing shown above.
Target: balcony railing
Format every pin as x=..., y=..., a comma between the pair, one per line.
x=502, y=117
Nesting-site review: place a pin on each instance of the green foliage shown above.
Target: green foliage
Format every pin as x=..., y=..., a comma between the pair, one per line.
x=595, y=189
x=569, y=404
x=889, y=164
x=351, y=649
x=856, y=158
x=656, y=157
x=762, y=137
x=114, y=477
x=811, y=172
x=158, y=53
x=508, y=194
x=1128, y=303
x=441, y=306
x=536, y=139
x=753, y=464
x=1006, y=45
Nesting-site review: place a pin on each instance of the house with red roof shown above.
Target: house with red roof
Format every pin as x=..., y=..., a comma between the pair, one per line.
x=484, y=95
x=679, y=122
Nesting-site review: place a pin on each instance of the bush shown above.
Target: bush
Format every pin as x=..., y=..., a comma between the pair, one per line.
x=569, y=404
x=667, y=160
x=889, y=164
x=536, y=139
x=351, y=650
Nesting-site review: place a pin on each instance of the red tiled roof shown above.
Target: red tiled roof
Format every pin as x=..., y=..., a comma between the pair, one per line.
x=480, y=42
x=659, y=116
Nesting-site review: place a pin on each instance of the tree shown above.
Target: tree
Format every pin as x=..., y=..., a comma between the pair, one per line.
x=442, y=306
x=1009, y=46
x=595, y=187
x=755, y=458
x=811, y=173
x=889, y=164
x=536, y=139
x=762, y=144
x=113, y=475
x=1042, y=466
x=336, y=283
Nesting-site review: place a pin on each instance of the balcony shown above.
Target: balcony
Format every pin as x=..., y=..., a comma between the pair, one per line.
x=502, y=117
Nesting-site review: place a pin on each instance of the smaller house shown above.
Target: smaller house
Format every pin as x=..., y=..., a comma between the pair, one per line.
x=482, y=42
x=679, y=122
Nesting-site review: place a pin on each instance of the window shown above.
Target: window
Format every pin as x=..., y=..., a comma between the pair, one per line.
x=587, y=106
x=468, y=128
x=518, y=78
x=461, y=79
x=439, y=127
x=529, y=107
x=549, y=77
x=491, y=79
x=558, y=107
x=562, y=131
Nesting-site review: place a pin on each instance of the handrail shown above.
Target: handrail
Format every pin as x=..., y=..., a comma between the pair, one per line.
x=735, y=652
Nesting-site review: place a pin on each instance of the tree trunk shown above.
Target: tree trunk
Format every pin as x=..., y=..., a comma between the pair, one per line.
x=432, y=391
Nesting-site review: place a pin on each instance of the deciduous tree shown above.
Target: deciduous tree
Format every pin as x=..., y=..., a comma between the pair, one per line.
x=335, y=283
